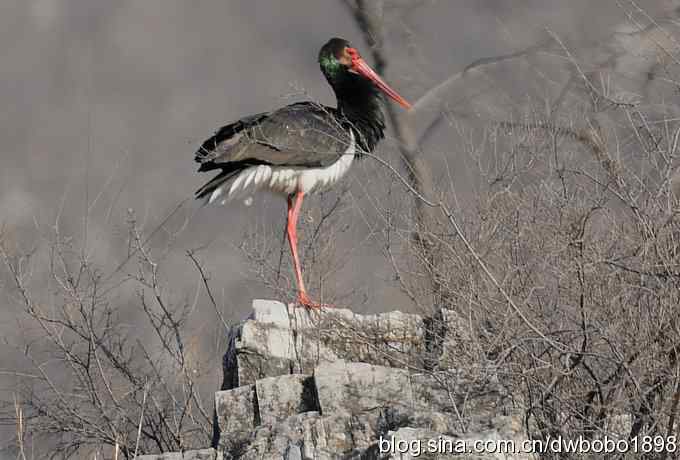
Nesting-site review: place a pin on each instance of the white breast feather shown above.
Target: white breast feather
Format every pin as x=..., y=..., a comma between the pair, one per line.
x=286, y=180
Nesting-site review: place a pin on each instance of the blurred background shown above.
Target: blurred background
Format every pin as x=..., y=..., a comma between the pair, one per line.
x=103, y=104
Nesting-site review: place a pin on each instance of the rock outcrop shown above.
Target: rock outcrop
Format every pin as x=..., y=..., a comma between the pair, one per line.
x=330, y=384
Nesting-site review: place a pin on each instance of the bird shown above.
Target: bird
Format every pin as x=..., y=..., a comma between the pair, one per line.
x=303, y=147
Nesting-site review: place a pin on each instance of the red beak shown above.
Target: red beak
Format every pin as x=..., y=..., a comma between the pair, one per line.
x=360, y=67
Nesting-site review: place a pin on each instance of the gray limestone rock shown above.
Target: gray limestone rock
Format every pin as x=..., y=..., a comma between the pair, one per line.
x=237, y=415
x=331, y=384
x=276, y=339
x=203, y=454
x=280, y=397
x=357, y=387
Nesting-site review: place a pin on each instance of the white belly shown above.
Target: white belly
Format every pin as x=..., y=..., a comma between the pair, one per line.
x=285, y=179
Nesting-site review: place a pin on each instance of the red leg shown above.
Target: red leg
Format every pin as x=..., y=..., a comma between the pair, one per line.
x=291, y=228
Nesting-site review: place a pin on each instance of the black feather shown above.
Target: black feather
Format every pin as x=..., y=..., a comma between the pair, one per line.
x=305, y=134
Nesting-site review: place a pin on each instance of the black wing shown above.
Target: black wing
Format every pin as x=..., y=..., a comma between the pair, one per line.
x=302, y=134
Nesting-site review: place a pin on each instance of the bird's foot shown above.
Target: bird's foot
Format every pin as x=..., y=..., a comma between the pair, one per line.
x=306, y=302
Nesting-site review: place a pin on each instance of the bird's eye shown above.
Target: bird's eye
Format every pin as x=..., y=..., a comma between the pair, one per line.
x=349, y=57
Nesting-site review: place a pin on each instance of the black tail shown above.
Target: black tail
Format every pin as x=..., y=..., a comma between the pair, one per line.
x=229, y=170
x=214, y=183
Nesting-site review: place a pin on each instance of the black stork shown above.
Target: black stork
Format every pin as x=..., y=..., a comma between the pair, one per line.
x=302, y=147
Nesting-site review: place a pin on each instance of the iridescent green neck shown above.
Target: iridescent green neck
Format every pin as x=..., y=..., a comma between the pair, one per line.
x=331, y=67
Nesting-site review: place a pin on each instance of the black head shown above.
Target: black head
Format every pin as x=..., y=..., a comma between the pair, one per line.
x=346, y=71
x=332, y=58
